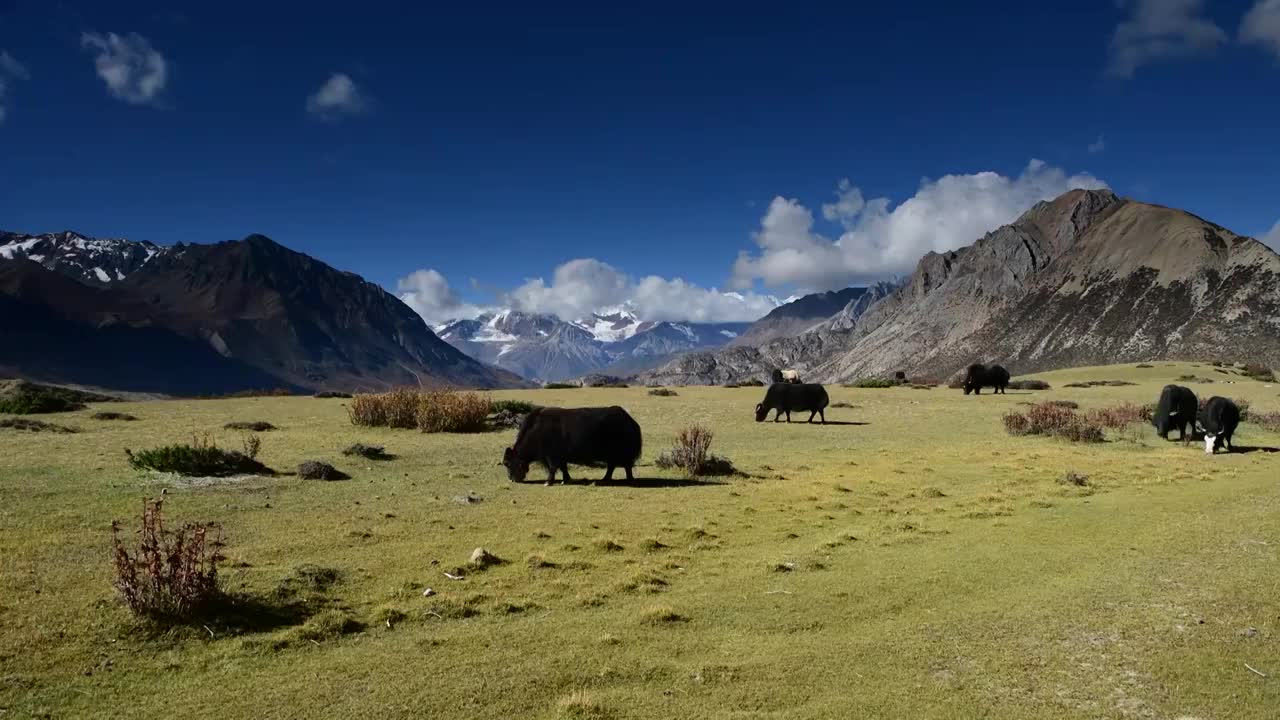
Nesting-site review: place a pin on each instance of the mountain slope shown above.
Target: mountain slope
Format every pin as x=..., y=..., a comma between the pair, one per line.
x=797, y=316
x=289, y=318
x=1088, y=278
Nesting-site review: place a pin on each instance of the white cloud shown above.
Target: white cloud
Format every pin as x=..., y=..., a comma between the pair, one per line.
x=585, y=285
x=1261, y=26
x=1098, y=145
x=1161, y=30
x=10, y=69
x=848, y=203
x=880, y=240
x=133, y=71
x=1272, y=237
x=581, y=286
x=429, y=294
x=338, y=97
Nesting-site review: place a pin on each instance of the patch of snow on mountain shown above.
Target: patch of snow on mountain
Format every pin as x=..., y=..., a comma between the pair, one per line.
x=9, y=251
x=729, y=333
x=102, y=274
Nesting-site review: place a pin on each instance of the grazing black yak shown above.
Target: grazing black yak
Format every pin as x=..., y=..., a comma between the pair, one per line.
x=1176, y=409
x=785, y=397
x=979, y=376
x=1219, y=420
x=556, y=437
x=785, y=376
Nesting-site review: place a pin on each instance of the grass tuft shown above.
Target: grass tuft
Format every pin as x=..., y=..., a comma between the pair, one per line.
x=200, y=458
x=253, y=426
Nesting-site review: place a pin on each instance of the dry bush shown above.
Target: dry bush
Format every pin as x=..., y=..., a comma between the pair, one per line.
x=1118, y=417
x=255, y=426
x=1028, y=385
x=1260, y=373
x=329, y=394
x=113, y=416
x=172, y=575
x=1054, y=421
x=663, y=392
x=368, y=452
x=426, y=410
x=692, y=455
x=1267, y=420
x=30, y=425
x=316, y=470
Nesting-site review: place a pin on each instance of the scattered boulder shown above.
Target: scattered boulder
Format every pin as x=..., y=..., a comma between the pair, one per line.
x=468, y=499
x=481, y=559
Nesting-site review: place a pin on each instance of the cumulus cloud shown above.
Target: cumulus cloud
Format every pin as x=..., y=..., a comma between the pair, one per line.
x=1272, y=237
x=132, y=70
x=338, y=97
x=1097, y=146
x=581, y=286
x=880, y=240
x=10, y=70
x=1161, y=30
x=1261, y=26
x=431, y=296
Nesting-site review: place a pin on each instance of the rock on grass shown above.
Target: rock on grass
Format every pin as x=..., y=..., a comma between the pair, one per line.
x=316, y=470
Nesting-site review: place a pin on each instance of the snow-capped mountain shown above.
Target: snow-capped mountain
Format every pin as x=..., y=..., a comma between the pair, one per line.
x=546, y=348
x=97, y=261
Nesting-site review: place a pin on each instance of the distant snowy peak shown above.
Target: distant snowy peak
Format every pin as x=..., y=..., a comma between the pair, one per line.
x=611, y=324
x=97, y=261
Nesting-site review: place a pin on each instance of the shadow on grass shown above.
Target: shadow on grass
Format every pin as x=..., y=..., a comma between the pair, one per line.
x=232, y=615
x=840, y=422
x=1244, y=449
x=659, y=482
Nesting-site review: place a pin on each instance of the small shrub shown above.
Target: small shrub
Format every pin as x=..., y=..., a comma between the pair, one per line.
x=251, y=393
x=368, y=452
x=1118, y=417
x=316, y=470
x=1074, y=478
x=1065, y=403
x=1260, y=373
x=328, y=625
x=1268, y=420
x=842, y=404
x=560, y=386
x=1099, y=383
x=1054, y=421
x=112, y=416
x=660, y=615
x=517, y=407
x=745, y=383
x=579, y=705
x=1145, y=366
x=37, y=402
x=872, y=382
x=607, y=545
x=691, y=455
x=254, y=426
x=663, y=392
x=171, y=575
x=29, y=425
x=394, y=409
x=327, y=394
x=1029, y=385
x=251, y=444
x=201, y=458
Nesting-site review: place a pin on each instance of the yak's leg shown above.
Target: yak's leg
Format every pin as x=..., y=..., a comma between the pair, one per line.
x=608, y=474
x=788, y=416
x=628, y=469
x=778, y=417
x=823, y=414
x=811, y=414
x=551, y=472
x=564, y=471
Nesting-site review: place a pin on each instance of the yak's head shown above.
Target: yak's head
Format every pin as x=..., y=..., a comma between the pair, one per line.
x=1210, y=443
x=517, y=469
x=761, y=412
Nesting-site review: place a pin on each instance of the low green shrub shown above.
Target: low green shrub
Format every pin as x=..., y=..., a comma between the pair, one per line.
x=200, y=458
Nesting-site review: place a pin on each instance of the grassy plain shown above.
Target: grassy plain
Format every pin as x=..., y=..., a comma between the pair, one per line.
x=911, y=561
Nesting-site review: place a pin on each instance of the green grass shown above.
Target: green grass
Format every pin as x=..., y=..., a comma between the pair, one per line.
x=936, y=567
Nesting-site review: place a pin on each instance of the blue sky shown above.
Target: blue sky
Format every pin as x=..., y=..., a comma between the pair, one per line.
x=494, y=143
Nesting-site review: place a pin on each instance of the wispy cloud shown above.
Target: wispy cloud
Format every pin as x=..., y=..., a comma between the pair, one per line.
x=131, y=68
x=1160, y=30
x=1261, y=26
x=10, y=70
x=1097, y=146
x=338, y=97
x=879, y=240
